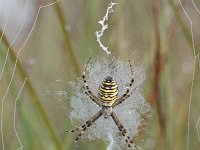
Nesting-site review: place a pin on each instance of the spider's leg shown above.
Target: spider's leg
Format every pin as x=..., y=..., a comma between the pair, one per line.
x=86, y=125
x=87, y=89
x=121, y=99
x=123, y=131
x=126, y=94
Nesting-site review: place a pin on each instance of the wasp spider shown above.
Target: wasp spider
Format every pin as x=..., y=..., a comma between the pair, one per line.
x=107, y=99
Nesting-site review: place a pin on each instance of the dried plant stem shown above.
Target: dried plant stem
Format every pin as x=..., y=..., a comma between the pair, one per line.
x=68, y=43
x=35, y=98
x=157, y=72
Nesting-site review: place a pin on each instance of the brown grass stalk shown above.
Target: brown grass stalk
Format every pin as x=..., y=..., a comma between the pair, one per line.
x=158, y=66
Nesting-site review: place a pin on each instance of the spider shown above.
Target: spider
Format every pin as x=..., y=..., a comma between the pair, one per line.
x=107, y=99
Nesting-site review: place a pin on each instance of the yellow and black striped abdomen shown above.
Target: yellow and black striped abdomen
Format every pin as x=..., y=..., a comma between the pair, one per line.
x=108, y=91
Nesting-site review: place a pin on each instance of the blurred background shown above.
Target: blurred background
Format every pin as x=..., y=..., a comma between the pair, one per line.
x=54, y=42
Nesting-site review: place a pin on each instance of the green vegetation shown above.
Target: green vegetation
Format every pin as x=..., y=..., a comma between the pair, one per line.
x=155, y=34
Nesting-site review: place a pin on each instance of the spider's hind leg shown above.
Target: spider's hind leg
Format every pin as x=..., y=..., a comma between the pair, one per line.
x=123, y=131
x=80, y=130
x=86, y=125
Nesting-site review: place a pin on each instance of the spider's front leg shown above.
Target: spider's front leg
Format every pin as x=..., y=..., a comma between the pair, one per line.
x=87, y=89
x=123, y=131
x=86, y=125
x=126, y=94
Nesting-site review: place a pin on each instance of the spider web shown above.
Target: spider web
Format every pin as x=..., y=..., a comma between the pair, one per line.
x=104, y=26
x=129, y=112
x=14, y=118
x=3, y=100
x=196, y=62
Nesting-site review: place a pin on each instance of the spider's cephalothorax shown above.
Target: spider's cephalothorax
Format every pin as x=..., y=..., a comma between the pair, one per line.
x=107, y=99
x=108, y=91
